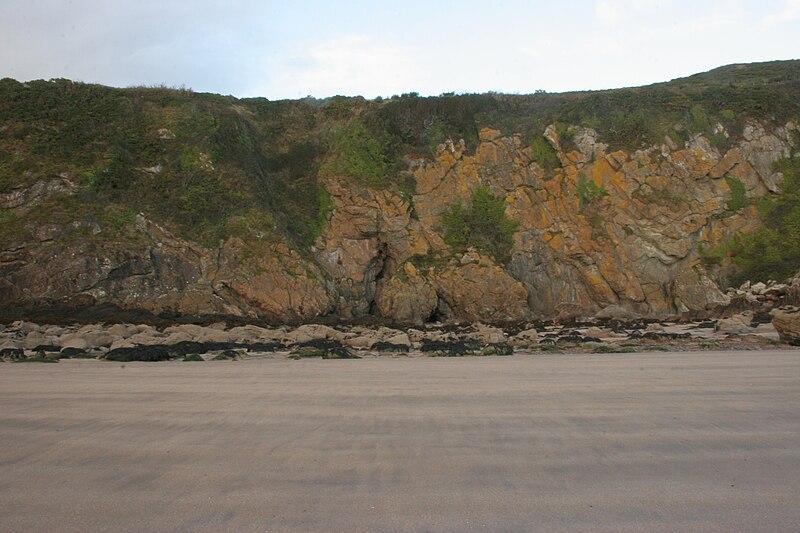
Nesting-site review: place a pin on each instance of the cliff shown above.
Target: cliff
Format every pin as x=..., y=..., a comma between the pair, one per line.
x=491, y=208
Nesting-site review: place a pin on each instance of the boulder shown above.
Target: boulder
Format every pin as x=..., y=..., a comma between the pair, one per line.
x=24, y=327
x=400, y=339
x=614, y=312
x=487, y=334
x=787, y=323
x=250, y=334
x=601, y=333
x=34, y=339
x=120, y=330
x=76, y=341
x=525, y=338
x=310, y=332
x=737, y=324
x=99, y=339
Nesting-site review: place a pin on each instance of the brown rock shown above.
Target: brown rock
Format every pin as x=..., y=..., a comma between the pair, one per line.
x=787, y=323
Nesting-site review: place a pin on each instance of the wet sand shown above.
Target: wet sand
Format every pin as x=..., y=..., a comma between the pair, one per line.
x=619, y=442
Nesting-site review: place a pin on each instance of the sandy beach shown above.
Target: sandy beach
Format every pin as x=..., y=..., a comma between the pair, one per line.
x=615, y=442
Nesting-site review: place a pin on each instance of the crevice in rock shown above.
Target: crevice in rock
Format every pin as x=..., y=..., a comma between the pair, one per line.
x=379, y=268
x=441, y=312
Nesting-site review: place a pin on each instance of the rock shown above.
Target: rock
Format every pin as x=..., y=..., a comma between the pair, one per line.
x=178, y=336
x=193, y=332
x=10, y=344
x=76, y=342
x=310, y=332
x=738, y=324
x=400, y=339
x=33, y=339
x=121, y=343
x=599, y=333
x=482, y=292
x=24, y=327
x=147, y=338
x=787, y=323
x=361, y=341
x=99, y=339
x=758, y=288
x=487, y=334
x=614, y=312
x=525, y=338
x=629, y=250
x=249, y=334
x=119, y=330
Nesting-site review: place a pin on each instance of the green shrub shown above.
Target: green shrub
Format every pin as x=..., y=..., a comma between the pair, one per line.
x=482, y=224
x=738, y=199
x=773, y=251
x=588, y=192
x=360, y=153
x=543, y=153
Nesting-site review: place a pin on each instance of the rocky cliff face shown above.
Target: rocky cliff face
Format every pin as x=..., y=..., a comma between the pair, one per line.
x=606, y=232
x=490, y=208
x=631, y=249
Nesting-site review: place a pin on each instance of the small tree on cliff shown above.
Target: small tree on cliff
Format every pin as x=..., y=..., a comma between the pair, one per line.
x=482, y=224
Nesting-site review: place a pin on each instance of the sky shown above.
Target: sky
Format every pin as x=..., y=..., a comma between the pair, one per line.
x=295, y=48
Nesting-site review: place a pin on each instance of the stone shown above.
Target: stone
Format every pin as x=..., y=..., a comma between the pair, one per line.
x=77, y=342
x=487, y=334
x=601, y=333
x=311, y=332
x=737, y=324
x=614, y=312
x=33, y=339
x=400, y=339
x=525, y=338
x=787, y=323
x=251, y=333
x=119, y=330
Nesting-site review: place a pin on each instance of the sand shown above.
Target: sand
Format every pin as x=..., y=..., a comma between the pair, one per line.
x=628, y=442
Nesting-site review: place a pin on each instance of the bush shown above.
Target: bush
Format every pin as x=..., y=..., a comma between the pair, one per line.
x=738, y=199
x=483, y=225
x=359, y=153
x=543, y=153
x=588, y=192
x=773, y=252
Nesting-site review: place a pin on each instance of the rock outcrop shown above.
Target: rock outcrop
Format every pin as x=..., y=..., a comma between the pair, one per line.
x=629, y=245
x=172, y=203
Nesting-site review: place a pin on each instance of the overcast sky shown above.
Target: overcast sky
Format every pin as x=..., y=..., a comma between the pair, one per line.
x=294, y=48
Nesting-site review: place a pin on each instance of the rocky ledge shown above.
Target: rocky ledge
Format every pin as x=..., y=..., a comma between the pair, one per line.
x=23, y=341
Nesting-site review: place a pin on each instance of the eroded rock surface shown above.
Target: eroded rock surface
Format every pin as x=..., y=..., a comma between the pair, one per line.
x=628, y=247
